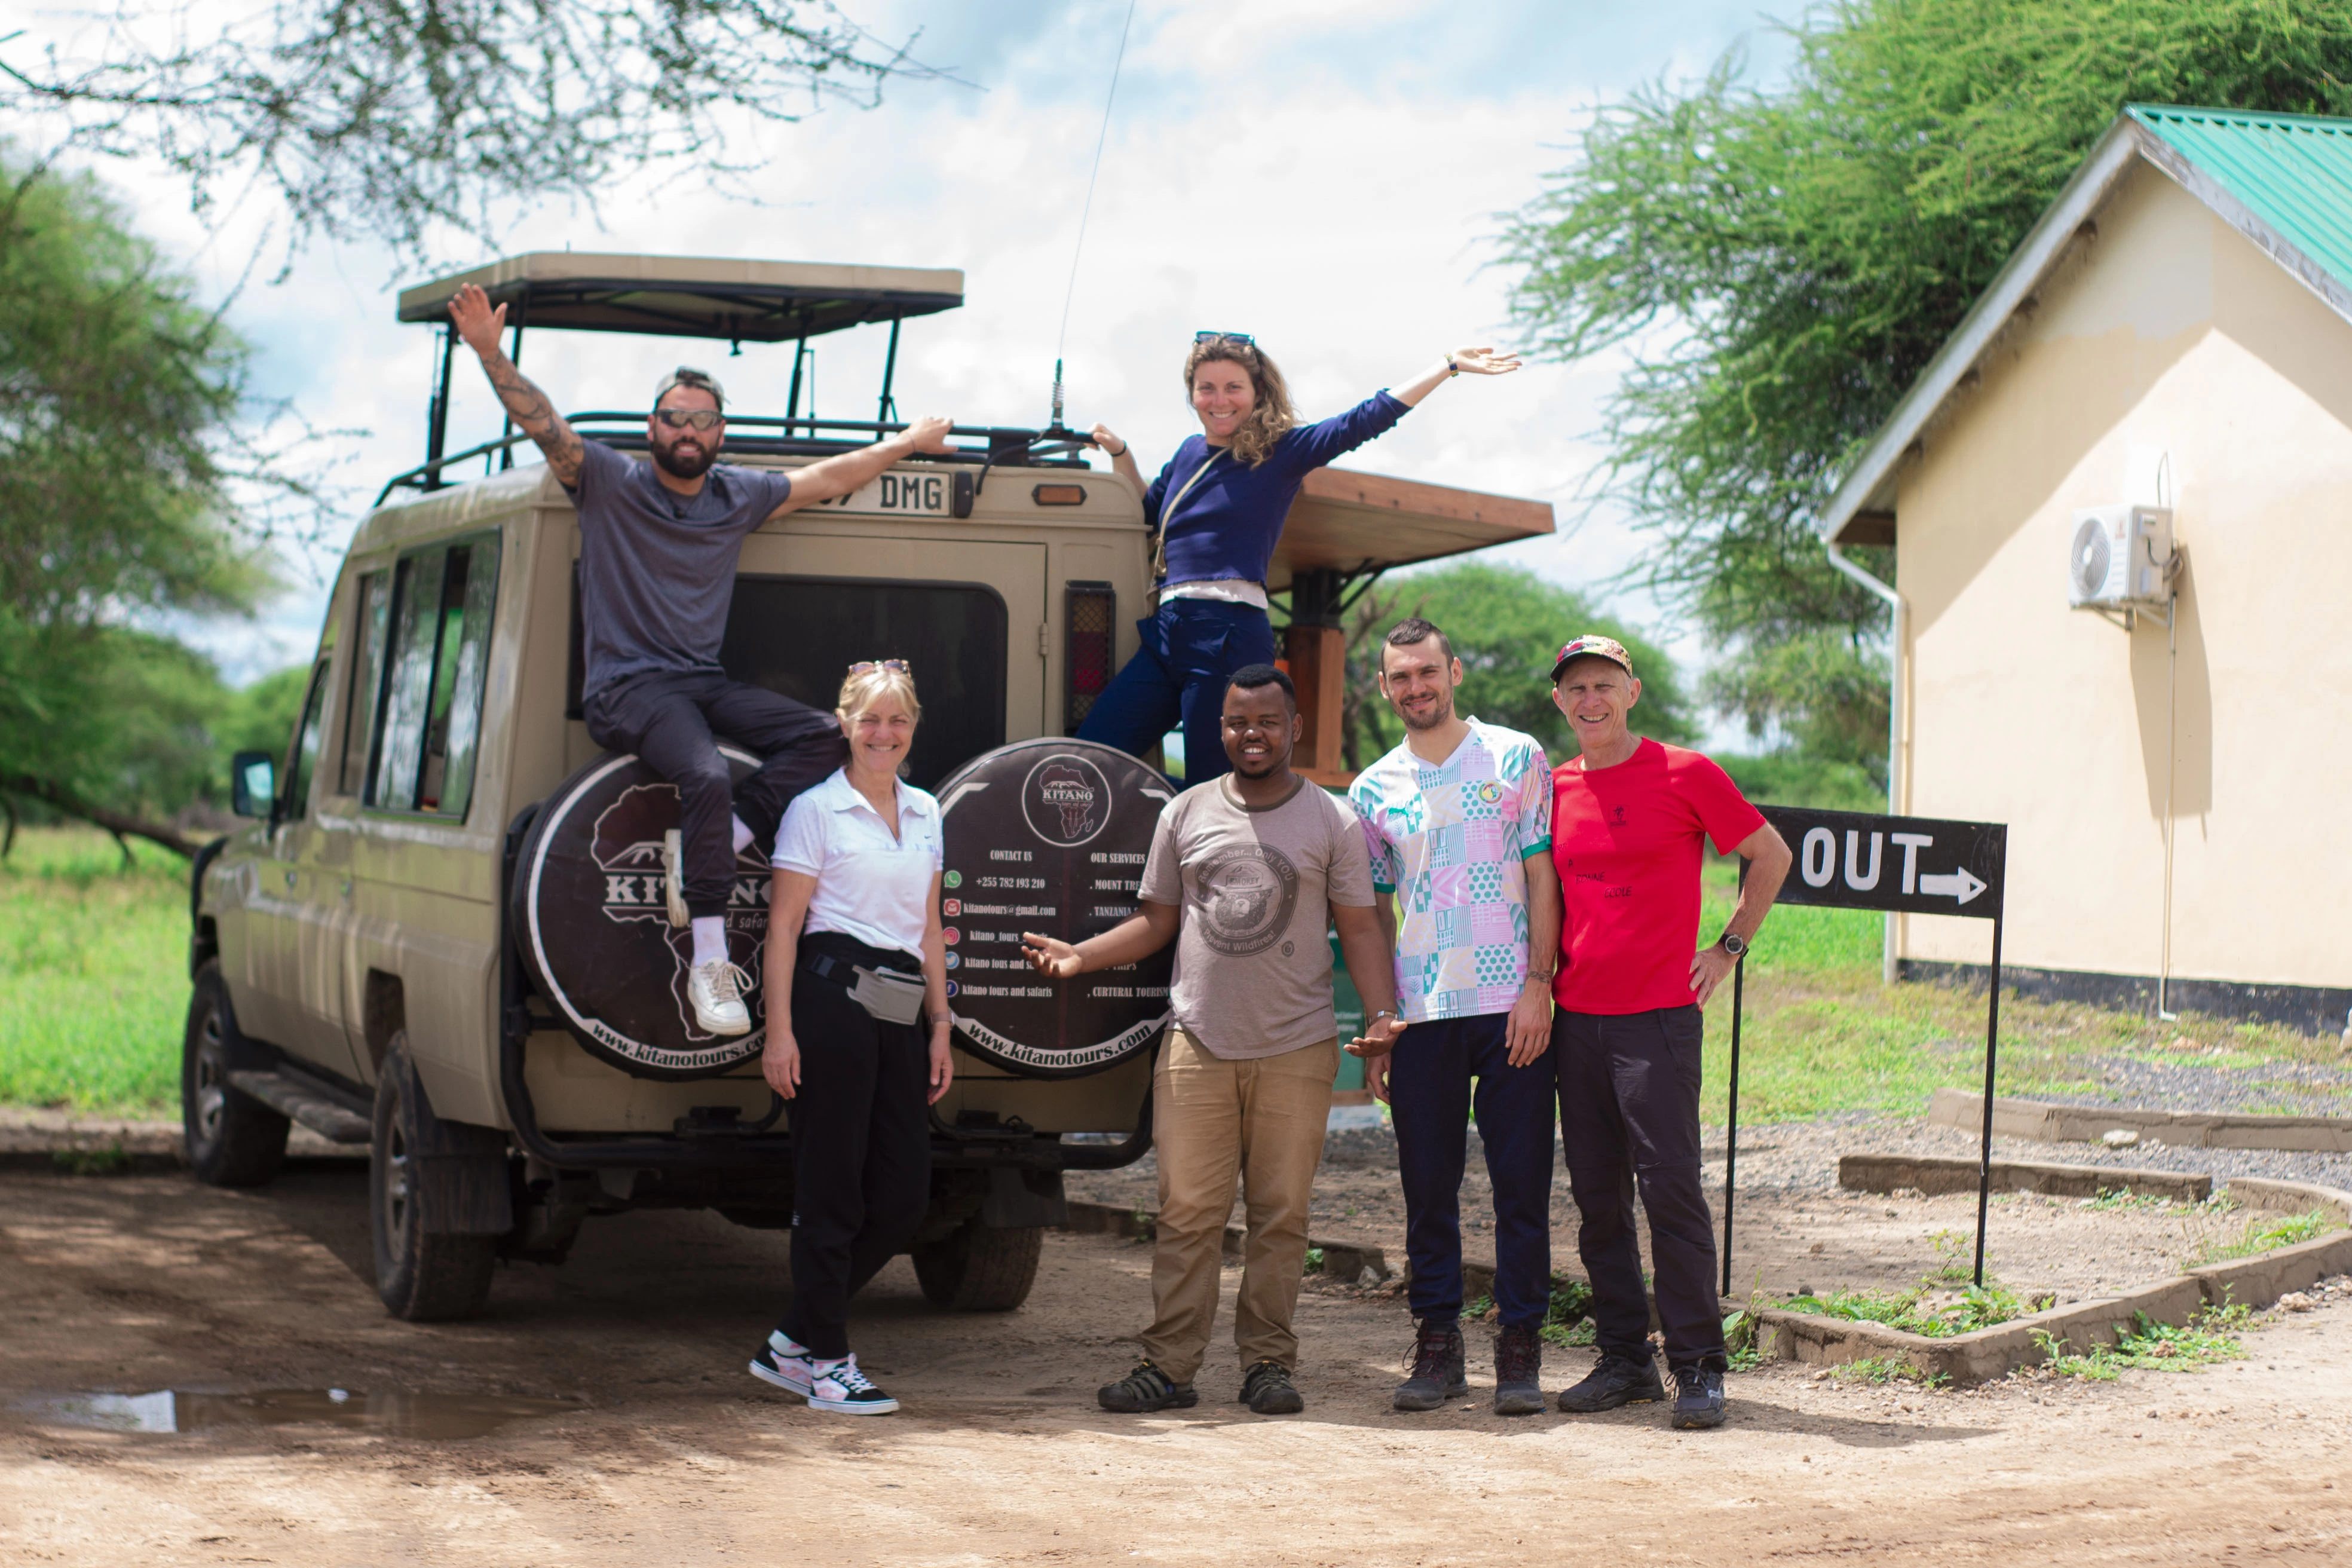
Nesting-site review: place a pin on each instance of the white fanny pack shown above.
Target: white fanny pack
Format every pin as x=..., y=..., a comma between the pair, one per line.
x=892, y=997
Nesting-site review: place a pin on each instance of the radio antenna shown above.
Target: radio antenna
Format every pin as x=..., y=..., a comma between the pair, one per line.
x=1070, y=291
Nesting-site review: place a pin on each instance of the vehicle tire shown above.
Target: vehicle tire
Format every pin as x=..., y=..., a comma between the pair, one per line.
x=233, y=1140
x=977, y=1269
x=422, y=1276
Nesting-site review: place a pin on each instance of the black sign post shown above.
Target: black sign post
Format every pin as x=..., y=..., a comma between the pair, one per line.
x=1901, y=865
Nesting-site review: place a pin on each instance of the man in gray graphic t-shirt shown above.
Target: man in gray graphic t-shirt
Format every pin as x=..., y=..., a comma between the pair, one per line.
x=1246, y=874
x=659, y=543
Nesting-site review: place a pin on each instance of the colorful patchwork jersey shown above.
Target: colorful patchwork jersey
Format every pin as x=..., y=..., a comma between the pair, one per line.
x=1451, y=840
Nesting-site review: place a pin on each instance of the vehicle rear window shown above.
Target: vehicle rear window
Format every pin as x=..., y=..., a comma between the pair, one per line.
x=431, y=713
x=799, y=636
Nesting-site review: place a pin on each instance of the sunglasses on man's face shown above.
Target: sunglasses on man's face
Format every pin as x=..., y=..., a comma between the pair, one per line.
x=867, y=666
x=1243, y=338
x=700, y=418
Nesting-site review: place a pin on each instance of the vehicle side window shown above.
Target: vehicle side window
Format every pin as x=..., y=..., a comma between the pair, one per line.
x=370, y=616
x=439, y=652
x=294, y=795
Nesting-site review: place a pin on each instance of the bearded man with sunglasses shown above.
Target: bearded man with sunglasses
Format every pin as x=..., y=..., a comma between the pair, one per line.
x=658, y=545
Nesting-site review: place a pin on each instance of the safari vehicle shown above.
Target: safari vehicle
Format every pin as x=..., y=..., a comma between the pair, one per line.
x=394, y=953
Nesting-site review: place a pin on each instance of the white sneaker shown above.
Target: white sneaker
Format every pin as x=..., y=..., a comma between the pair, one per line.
x=716, y=992
x=784, y=1361
x=839, y=1386
x=674, y=883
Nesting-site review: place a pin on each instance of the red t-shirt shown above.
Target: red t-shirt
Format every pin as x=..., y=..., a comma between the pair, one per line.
x=1626, y=841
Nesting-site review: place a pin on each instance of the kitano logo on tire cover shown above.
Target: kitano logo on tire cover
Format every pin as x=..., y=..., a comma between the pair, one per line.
x=1066, y=800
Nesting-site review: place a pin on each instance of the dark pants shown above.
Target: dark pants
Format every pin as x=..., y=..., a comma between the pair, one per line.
x=861, y=1144
x=1191, y=649
x=1431, y=1102
x=669, y=720
x=1629, y=1114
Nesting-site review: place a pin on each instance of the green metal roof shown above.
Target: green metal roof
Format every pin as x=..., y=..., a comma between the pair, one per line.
x=2293, y=171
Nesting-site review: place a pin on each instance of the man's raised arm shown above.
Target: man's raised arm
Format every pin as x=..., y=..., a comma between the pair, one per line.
x=481, y=325
x=840, y=476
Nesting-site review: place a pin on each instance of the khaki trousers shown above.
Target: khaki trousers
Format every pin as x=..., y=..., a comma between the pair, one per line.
x=1211, y=1120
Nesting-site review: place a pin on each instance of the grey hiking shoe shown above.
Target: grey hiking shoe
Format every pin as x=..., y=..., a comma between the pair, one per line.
x=1698, y=1397
x=1437, y=1369
x=1518, y=1372
x=1615, y=1380
x=1147, y=1388
x=1266, y=1388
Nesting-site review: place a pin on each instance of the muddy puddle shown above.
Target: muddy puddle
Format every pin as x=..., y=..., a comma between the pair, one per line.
x=389, y=1413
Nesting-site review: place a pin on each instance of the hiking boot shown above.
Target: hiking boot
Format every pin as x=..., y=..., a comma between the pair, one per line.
x=1266, y=1388
x=1614, y=1380
x=1437, y=1371
x=840, y=1387
x=1518, y=1370
x=1147, y=1388
x=1698, y=1397
x=674, y=880
x=714, y=990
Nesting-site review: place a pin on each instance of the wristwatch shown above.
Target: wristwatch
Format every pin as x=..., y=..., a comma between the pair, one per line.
x=1733, y=943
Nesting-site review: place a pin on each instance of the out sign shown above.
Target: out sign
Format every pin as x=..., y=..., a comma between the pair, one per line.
x=1913, y=864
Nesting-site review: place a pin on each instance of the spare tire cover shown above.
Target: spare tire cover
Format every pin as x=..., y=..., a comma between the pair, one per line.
x=1049, y=835
x=592, y=922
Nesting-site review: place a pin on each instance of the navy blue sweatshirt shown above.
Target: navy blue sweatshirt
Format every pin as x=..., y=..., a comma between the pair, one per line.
x=1226, y=525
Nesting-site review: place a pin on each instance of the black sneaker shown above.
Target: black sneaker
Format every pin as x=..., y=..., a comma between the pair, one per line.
x=1698, y=1397
x=1437, y=1369
x=1518, y=1372
x=1614, y=1380
x=1145, y=1389
x=1266, y=1388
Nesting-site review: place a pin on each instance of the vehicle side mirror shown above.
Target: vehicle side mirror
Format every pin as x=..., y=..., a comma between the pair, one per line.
x=253, y=783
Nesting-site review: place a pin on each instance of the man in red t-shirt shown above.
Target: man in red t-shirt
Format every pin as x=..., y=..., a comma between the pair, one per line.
x=1628, y=816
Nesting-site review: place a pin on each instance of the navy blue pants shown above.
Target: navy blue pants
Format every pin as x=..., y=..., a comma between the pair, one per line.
x=1629, y=1114
x=1430, y=1102
x=1191, y=649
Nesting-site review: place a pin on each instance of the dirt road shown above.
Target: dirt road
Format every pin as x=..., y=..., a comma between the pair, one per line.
x=672, y=1456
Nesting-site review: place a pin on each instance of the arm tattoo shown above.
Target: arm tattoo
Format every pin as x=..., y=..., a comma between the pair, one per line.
x=530, y=408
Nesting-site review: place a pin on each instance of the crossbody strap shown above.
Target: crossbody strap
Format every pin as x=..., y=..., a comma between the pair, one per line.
x=1159, y=541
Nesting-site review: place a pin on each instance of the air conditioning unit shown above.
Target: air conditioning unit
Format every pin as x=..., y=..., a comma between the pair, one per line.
x=2121, y=558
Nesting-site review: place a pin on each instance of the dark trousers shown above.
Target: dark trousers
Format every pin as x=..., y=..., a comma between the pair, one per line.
x=1629, y=1114
x=1431, y=1102
x=1191, y=648
x=861, y=1144
x=670, y=721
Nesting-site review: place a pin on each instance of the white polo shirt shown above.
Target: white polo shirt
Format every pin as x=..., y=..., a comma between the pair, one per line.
x=869, y=884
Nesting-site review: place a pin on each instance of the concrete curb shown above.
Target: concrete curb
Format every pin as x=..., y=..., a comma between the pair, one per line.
x=2179, y=1128
x=1994, y=1352
x=1341, y=1259
x=1941, y=1174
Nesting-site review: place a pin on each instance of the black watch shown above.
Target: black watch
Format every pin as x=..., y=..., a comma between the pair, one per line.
x=1733, y=943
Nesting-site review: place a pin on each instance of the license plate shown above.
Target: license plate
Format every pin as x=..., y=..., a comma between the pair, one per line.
x=898, y=495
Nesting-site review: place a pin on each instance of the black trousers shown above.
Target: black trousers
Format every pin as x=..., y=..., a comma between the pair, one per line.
x=1629, y=1114
x=670, y=720
x=861, y=1144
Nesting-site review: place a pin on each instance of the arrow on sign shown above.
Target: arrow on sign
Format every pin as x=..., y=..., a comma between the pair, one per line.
x=1962, y=885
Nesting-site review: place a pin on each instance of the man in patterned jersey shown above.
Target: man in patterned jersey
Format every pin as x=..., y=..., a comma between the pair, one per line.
x=1458, y=821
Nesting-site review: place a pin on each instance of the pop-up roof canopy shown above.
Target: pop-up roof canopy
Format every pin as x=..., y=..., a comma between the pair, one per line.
x=1346, y=525
x=693, y=297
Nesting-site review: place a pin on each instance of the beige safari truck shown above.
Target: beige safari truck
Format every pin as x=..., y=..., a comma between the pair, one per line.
x=443, y=935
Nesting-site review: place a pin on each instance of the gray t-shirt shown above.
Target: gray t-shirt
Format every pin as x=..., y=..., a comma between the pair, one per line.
x=657, y=569
x=1255, y=887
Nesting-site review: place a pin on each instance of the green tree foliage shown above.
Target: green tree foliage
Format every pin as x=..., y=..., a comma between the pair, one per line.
x=1505, y=622
x=1780, y=265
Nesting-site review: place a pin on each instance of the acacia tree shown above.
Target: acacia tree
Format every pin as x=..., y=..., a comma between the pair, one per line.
x=1781, y=264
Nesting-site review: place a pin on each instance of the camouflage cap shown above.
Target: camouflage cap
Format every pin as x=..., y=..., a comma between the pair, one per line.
x=686, y=375
x=1591, y=646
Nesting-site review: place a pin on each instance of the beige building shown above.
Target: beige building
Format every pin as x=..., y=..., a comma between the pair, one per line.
x=2176, y=333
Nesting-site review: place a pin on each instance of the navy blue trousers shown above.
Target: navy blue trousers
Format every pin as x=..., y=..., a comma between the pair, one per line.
x=1431, y=1102
x=1191, y=649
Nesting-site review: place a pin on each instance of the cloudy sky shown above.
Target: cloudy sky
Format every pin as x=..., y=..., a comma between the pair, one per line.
x=1327, y=175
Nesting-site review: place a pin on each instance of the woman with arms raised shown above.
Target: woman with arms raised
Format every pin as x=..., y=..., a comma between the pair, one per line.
x=1219, y=506
x=858, y=1031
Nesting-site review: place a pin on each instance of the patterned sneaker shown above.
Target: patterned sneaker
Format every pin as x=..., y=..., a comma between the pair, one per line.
x=1437, y=1368
x=784, y=1361
x=714, y=990
x=1518, y=1372
x=1145, y=1389
x=1266, y=1388
x=673, y=877
x=838, y=1385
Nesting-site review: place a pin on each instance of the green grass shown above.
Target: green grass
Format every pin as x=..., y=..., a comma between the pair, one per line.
x=2259, y=1236
x=2209, y=1337
x=1886, y=1369
x=93, y=973
x=1919, y=1311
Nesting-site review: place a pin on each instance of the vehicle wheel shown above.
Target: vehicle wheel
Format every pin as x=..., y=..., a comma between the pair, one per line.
x=979, y=1269
x=422, y=1276
x=233, y=1140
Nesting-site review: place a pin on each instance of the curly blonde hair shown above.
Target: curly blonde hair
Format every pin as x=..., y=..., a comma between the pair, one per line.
x=860, y=690
x=1271, y=415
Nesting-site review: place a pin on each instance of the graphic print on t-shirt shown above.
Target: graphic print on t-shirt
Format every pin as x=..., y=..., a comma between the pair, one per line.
x=1247, y=894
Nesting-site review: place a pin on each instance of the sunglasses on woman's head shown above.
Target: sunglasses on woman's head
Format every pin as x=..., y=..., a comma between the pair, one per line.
x=1224, y=337
x=867, y=666
x=700, y=418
